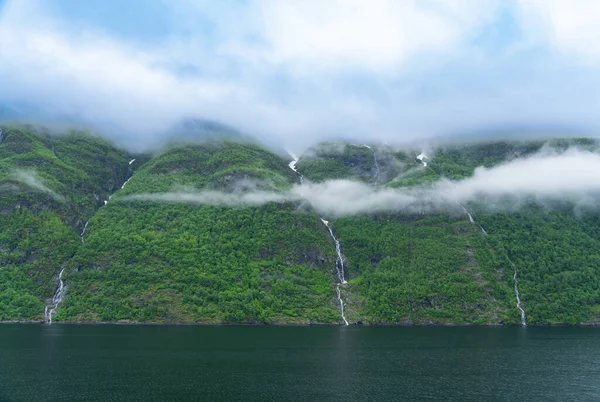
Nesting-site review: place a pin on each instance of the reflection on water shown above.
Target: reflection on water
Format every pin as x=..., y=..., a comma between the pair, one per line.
x=162, y=363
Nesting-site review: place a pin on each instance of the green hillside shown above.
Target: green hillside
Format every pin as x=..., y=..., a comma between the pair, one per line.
x=157, y=249
x=176, y=262
x=49, y=187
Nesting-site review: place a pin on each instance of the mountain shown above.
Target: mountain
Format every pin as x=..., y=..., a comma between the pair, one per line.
x=205, y=231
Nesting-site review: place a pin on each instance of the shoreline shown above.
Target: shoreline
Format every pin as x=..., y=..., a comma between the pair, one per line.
x=288, y=324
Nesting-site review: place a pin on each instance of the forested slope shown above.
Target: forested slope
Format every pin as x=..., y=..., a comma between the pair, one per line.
x=146, y=260
x=162, y=245
x=49, y=187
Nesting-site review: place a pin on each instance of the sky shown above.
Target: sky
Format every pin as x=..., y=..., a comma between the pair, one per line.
x=295, y=72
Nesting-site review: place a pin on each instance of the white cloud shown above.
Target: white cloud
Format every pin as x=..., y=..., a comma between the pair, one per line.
x=569, y=26
x=571, y=176
x=333, y=35
x=376, y=35
x=93, y=77
x=68, y=69
x=288, y=71
x=29, y=179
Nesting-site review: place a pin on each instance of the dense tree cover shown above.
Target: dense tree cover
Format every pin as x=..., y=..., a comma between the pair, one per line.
x=71, y=173
x=557, y=257
x=33, y=246
x=150, y=261
x=146, y=261
x=459, y=161
x=341, y=160
x=221, y=165
x=49, y=186
x=422, y=269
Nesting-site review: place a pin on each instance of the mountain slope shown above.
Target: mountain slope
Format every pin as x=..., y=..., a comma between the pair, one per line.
x=145, y=260
x=49, y=187
x=167, y=238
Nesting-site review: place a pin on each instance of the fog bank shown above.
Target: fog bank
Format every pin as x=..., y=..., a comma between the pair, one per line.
x=572, y=176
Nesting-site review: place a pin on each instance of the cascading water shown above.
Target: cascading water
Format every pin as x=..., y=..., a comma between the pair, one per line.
x=421, y=158
x=518, y=297
x=339, y=263
x=83, y=231
x=339, y=266
x=471, y=218
x=105, y=202
x=375, y=163
x=124, y=184
x=58, y=297
x=517, y=294
x=292, y=166
x=131, y=161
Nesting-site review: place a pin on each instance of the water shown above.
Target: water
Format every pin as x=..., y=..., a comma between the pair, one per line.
x=82, y=235
x=518, y=299
x=292, y=165
x=339, y=266
x=517, y=294
x=58, y=298
x=375, y=164
x=155, y=363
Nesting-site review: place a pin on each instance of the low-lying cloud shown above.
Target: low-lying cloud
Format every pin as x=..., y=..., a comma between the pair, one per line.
x=296, y=72
x=210, y=197
x=29, y=179
x=572, y=176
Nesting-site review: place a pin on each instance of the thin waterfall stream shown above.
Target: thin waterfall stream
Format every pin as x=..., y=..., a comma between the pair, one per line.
x=292, y=166
x=339, y=262
x=58, y=298
x=517, y=294
x=518, y=297
x=339, y=266
x=82, y=235
x=375, y=164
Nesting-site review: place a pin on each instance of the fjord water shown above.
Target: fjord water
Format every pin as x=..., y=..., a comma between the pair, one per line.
x=164, y=363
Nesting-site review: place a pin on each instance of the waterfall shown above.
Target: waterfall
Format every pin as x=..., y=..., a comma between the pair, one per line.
x=292, y=166
x=517, y=294
x=83, y=231
x=421, y=158
x=518, y=297
x=124, y=184
x=471, y=218
x=58, y=297
x=105, y=202
x=375, y=164
x=131, y=161
x=339, y=297
x=339, y=266
x=339, y=263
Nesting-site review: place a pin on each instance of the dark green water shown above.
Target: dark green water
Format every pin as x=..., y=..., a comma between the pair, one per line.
x=152, y=363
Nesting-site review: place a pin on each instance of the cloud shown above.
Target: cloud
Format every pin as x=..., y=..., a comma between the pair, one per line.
x=289, y=72
x=29, y=179
x=571, y=176
x=212, y=198
x=379, y=35
x=569, y=27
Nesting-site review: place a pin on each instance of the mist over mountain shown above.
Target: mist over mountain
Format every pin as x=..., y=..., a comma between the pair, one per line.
x=292, y=75
x=215, y=229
